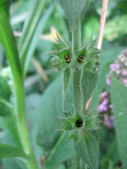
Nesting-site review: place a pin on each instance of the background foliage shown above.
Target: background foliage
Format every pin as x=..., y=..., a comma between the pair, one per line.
x=43, y=84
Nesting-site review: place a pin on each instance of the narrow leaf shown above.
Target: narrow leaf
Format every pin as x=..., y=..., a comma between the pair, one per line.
x=30, y=28
x=66, y=76
x=78, y=94
x=10, y=151
x=33, y=40
x=119, y=101
x=8, y=43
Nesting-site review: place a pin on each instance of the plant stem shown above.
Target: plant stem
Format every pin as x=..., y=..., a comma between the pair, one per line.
x=76, y=37
x=9, y=45
x=77, y=90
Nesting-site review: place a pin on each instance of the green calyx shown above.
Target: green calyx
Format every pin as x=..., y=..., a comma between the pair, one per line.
x=89, y=122
x=87, y=56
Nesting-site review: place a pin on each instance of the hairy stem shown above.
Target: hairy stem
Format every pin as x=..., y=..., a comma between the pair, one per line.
x=77, y=90
x=76, y=37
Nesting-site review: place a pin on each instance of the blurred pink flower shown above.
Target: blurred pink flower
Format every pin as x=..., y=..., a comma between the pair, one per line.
x=115, y=66
x=124, y=72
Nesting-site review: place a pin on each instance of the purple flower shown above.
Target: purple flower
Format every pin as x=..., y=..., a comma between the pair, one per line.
x=102, y=108
x=104, y=102
x=115, y=66
x=109, y=121
x=124, y=72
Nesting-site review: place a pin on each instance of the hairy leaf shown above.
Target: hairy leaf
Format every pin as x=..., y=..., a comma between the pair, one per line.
x=74, y=9
x=88, y=150
x=89, y=81
x=78, y=94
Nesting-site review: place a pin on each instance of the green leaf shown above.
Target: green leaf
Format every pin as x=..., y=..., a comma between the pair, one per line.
x=74, y=162
x=119, y=101
x=68, y=99
x=62, y=151
x=66, y=79
x=111, y=157
x=107, y=57
x=107, y=164
x=32, y=29
x=88, y=150
x=5, y=91
x=47, y=115
x=66, y=123
x=88, y=83
x=66, y=76
x=10, y=151
x=8, y=43
x=4, y=5
x=74, y=10
x=5, y=94
x=5, y=108
x=54, y=141
x=77, y=89
x=14, y=163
